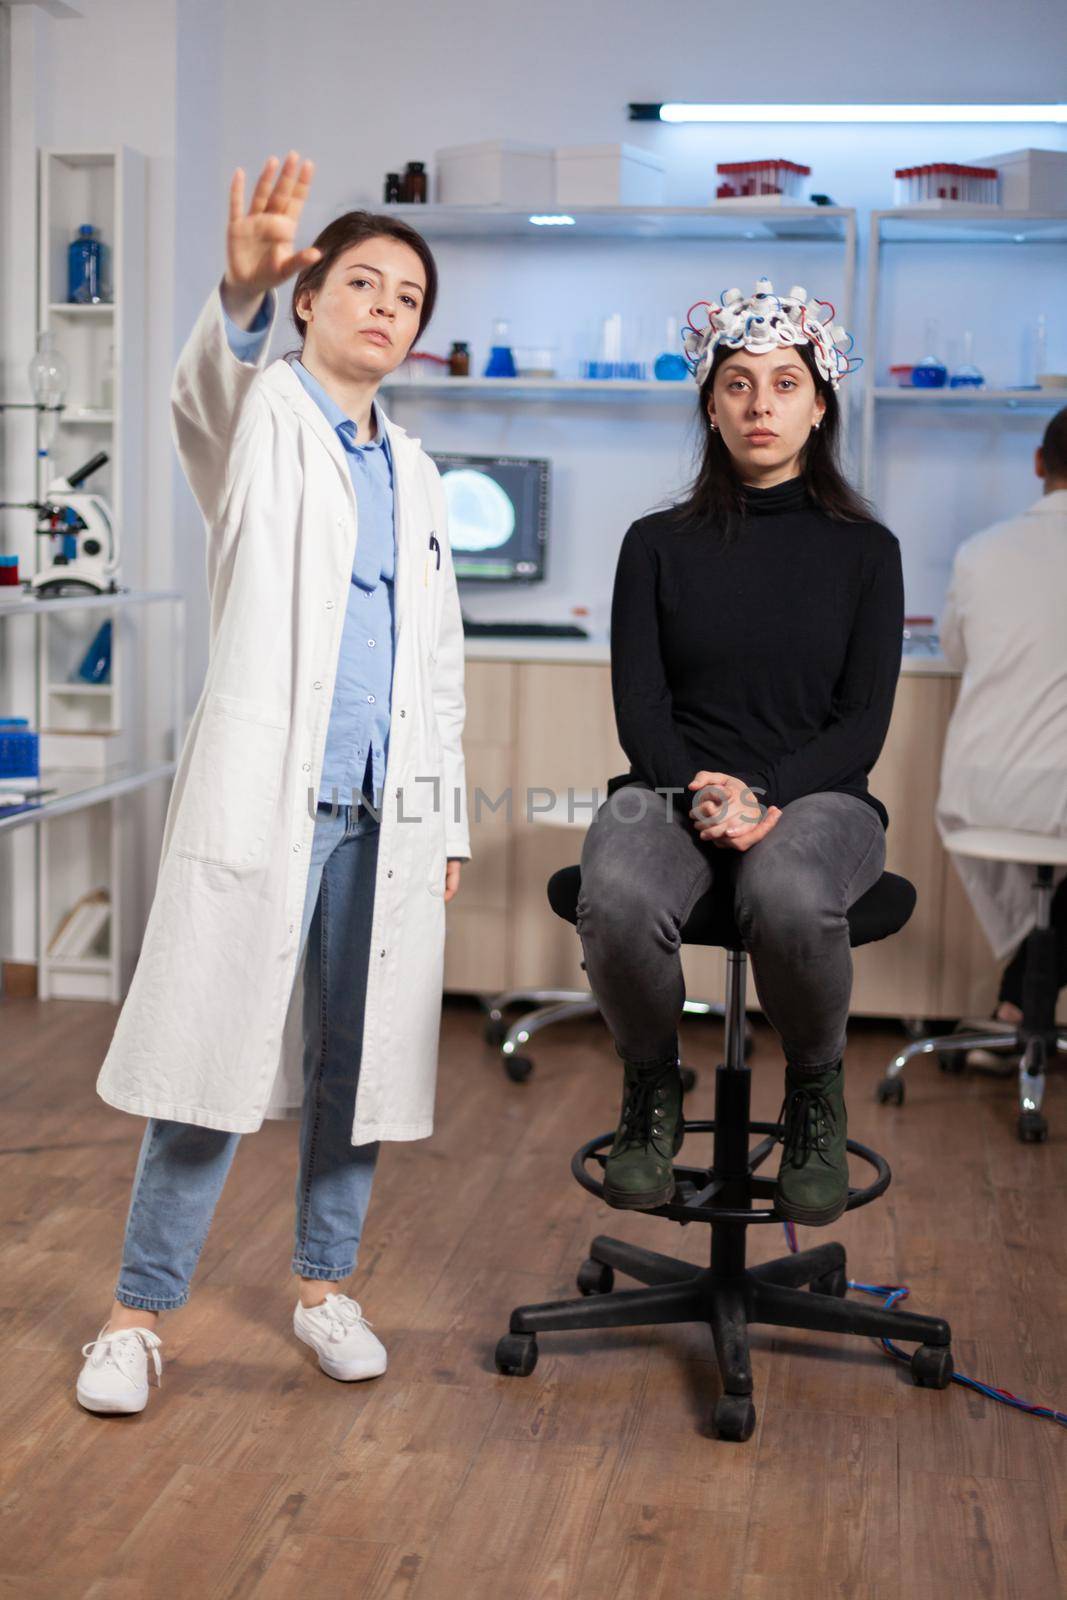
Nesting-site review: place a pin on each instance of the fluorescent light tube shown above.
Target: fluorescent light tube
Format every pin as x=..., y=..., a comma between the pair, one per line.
x=678, y=111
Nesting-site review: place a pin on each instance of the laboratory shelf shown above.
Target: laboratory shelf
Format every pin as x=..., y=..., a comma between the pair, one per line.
x=816, y=224
x=27, y=604
x=79, y=688
x=964, y=225
x=980, y=399
x=98, y=742
x=541, y=389
x=968, y=225
x=66, y=308
x=74, y=788
x=86, y=419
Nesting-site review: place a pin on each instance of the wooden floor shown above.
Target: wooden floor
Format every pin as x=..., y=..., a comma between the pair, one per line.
x=251, y=1473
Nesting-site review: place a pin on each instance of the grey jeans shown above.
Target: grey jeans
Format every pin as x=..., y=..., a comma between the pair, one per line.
x=791, y=892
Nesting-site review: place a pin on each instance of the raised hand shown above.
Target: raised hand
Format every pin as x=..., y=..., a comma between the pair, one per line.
x=259, y=242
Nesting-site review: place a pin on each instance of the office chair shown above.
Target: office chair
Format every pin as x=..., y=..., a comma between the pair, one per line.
x=805, y=1290
x=1037, y=1038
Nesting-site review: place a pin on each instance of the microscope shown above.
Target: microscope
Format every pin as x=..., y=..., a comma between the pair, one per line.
x=87, y=558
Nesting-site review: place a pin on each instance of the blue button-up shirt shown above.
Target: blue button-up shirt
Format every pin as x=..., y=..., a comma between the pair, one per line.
x=357, y=735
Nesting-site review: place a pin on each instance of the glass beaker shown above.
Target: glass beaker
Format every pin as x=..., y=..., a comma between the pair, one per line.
x=930, y=372
x=967, y=375
x=501, y=363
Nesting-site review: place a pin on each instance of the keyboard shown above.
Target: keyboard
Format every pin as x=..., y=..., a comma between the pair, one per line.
x=524, y=630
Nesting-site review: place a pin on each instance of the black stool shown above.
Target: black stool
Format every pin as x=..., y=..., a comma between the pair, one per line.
x=728, y=1295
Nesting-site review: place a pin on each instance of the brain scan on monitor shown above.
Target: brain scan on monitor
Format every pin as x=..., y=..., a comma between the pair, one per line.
x=481, y=515
x=497, y=516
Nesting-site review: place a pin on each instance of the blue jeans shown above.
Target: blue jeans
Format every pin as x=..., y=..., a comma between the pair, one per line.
x=181, y=1168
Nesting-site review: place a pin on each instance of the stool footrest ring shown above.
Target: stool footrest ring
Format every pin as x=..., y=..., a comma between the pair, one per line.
x=703, y=1183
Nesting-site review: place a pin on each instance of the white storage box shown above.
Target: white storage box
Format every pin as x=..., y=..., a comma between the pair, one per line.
x=1030, y=180
x=499, y=172
x=608, y=175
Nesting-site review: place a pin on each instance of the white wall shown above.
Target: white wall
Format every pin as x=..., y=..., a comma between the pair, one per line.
x=204, y=85
x=362, y=97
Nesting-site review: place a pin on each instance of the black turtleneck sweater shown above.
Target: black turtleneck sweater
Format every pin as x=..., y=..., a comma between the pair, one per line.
x=774, y=658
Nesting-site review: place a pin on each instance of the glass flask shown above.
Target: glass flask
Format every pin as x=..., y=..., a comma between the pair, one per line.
x=930, y=372
x=967, y=375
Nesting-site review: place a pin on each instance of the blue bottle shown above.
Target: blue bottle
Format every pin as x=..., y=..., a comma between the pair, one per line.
x=83, y=268
x=95, y=666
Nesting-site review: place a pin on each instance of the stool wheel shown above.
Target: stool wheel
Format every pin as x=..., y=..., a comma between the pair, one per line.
x=518, y=1068
x=689, y=1079
x=890, y=1092
x=931, y=1366
x=834, y=1283
x=735, y=1417
x=595, y=1278
x=952, y=1061
x=496, y=1031
x=516, y=1354
x=1032, y=1127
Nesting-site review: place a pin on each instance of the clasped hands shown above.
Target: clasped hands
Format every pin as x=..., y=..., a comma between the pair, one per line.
x=730, y=815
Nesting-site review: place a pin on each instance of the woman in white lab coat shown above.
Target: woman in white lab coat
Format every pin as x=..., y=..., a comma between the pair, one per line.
x=316, y=506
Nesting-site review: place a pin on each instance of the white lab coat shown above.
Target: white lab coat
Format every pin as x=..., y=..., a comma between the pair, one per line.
x=210, y=1030
x=1005, y=758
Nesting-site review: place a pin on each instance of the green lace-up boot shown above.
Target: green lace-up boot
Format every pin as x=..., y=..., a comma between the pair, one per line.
x=813, y=1177
x=638, y=1173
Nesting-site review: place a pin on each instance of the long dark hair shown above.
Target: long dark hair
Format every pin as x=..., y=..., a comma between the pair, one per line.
x=351, y=229
x=716, y=495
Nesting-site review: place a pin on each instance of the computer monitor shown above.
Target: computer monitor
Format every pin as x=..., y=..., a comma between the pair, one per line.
x=497, y=516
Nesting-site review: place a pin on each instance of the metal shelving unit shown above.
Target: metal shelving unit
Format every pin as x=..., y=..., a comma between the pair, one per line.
x=913, y=227
x=805, y=222
x=450, y=389
x=629, y=225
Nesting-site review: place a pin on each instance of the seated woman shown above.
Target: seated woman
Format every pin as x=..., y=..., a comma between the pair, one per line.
x=756, y=633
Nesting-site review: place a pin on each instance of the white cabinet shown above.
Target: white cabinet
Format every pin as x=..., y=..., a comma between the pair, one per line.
x=100, y=742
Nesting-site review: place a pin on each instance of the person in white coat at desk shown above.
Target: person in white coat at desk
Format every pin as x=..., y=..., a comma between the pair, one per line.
x=1005, y=757
x=335, y=672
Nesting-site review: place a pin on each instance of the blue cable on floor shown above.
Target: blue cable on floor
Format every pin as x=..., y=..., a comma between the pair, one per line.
x=893, y=1294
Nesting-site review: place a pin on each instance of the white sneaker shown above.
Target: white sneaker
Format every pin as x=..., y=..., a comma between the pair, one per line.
x=115, y=1375
x=340, y=1334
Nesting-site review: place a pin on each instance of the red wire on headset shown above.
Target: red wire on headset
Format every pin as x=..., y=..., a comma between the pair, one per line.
x=689, y=315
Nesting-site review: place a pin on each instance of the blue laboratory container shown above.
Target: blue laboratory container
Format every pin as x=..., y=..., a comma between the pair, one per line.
x=83, y=268
x=670, y=367
x=19, y=749
x=929, y=373
x=501, y=363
